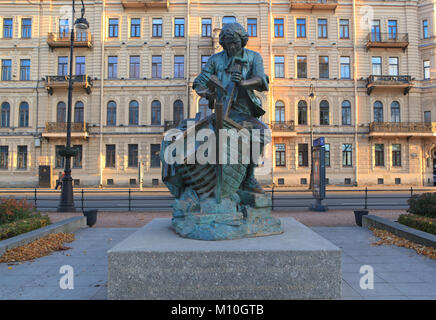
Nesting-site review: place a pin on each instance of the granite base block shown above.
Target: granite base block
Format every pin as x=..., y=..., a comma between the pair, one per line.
x=156, y=263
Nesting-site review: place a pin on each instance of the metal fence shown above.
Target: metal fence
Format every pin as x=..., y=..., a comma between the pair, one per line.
x=161, y=200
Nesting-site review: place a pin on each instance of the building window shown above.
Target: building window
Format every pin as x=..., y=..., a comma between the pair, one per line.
x=134, y=69
x=301, y=28
x=344, y=28
x=378, y=111
x=252, y=27
x=324, y=113
x=396, y=155
x=346, y=113
x=376, y=66
x=110, y=156
x=203, y=108
x=112, y=68
x=155, y=112
x=62, y=66
x=79, y=112
x=322, y=28
x=392, y=29
x=280, y=155
x=22, y=157
x=206, y=27
x=113, y=28
x=64, y=28
x=77, y=160
x=133, y=156
x=303, y=155
x=327, y=154
x=425, y=29
x=178, y=111
x=157, y=27
x=228, y=19
x=24, y=115
x=323, y=67
x=26, y=28
x=204, y=60
x=280, y=111
x=345, y=68
x=302, y=112
x=24, y=69
x=427, y=116
x=375, y=31
x=156, y=67
x=111, y=113
x=380, y=155
x=135, y=28
x=393, y=66
x=6, y=114
x=179, y=67
x=154, y=156
x=7, y=28
x=133, y=113
x=179, y=27
x=426, y=69
x=301, y=67
x=347, y=155
x=278, y=28
x=395, y=111
x=6, y=69
x=61, y=112
x=80, y=66
x=279, y=64
x=4, y=156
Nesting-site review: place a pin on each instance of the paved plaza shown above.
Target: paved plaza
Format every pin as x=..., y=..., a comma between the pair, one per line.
x=400, y=273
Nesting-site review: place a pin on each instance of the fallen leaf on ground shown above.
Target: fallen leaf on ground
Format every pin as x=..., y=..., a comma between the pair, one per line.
x=387, y=238
x=38, y=248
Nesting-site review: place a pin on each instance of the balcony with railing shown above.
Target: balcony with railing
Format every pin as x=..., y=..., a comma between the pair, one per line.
x=387, y=81
x=79, y=81
x=59, y=130
x=145, y=3
x=387, y=40
x=82, y=39
x=398, y=129
x=313, y=4
x=170, y=124
x=283, y=128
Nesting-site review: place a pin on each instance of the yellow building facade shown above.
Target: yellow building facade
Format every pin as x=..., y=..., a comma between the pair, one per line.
x=359, y=73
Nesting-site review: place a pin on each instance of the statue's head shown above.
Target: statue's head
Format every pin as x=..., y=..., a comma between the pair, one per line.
x=233, y=38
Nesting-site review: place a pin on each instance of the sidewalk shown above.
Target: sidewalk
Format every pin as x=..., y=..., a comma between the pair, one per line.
x=126, y=219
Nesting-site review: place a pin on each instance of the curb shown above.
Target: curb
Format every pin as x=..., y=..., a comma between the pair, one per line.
x=68, y=225
x=400, y=230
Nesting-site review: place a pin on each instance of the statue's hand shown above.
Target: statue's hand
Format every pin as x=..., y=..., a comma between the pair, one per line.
x=205, y=93
x=236, y=77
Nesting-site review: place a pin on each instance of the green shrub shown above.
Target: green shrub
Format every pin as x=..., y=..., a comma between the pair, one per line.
x=18, y=227
x=418, y=222
x=423, y=204
x=12, y=209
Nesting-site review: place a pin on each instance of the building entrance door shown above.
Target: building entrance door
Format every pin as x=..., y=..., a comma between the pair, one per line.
x=44, y=176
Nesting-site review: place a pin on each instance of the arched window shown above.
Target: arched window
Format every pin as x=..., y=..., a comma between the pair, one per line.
x=79, y=112
x=155, y=112
x=61, y=112
x=203, y=108
x=133, y=112
x=324, y=113
x=111, y=113
x=280, y=111
x=346, y=112
x=302, y=112
x=228, y=19
x=395, y=111
x=24, y=114
x=378, y=111
x=178, y=111
x=6, y=114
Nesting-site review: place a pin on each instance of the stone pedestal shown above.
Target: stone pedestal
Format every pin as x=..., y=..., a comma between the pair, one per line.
x=156, y=263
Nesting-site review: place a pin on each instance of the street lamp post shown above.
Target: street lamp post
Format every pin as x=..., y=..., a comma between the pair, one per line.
x=311, y=96
x=66, y=203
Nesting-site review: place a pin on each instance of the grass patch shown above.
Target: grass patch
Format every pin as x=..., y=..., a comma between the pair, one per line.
x=425, y=224
x=12, y=229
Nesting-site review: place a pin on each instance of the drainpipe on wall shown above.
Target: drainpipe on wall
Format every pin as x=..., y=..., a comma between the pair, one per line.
x=38, y=76
x=356, y=102
x=271, y=95
x=103, y=28
x=188, y=61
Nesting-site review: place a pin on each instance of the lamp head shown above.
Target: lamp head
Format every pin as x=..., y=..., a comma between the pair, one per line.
x=81, y=23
